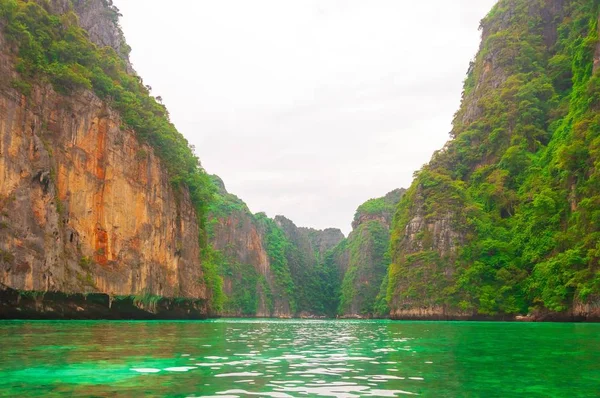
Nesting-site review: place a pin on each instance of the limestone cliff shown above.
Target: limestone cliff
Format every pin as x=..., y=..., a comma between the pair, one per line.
x=362, y=259
x=270, y=267
x=311, y=276
x=244, y=262
x=492, y=227
x=85, y=206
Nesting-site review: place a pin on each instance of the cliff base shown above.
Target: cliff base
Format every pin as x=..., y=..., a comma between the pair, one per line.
x=16, y=304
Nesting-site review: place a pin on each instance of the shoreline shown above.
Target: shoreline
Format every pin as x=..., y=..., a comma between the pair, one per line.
x=96, y=306
x=29, y=305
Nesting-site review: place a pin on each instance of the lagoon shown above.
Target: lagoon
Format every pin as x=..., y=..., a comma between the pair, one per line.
x=298, y=358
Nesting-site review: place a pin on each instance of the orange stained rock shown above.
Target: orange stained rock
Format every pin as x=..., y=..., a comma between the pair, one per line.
x=100, y=147
x=101, y=254
x=111, y=206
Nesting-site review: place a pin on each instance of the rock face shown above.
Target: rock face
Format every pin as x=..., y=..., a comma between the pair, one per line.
x=362, y=259
x=491, y=227
x=270, y=268
x=311, y=275
x=84, y=206
x=100, y=18
x=245, y=265
x=321, y=241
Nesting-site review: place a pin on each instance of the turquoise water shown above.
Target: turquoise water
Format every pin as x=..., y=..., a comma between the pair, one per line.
x=289, y=358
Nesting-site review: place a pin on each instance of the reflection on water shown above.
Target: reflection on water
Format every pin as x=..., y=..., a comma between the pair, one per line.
x=314, y=358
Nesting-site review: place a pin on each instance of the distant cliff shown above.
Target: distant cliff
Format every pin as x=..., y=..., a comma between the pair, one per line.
x=314, y=280
x=504, y=219
x=270, y=268
x=362, y=259
x=250, y=285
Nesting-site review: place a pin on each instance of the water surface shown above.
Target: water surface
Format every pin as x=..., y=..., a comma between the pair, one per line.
x=272, y=358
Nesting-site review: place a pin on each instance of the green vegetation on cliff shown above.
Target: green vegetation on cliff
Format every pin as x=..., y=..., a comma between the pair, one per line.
x=363, y=258
x=231, y=226
x=368, y=261
x=271, y=267
x=54, y=49
x=314, y=279
x=277, y=248
x=382, y=208
x=247, y=285
x=306, y=272
x=510, y=208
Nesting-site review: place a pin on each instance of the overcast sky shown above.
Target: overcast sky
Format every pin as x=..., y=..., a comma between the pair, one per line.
x=307, y=108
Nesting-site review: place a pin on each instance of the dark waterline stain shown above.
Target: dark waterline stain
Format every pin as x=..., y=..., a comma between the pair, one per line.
x=297, y=358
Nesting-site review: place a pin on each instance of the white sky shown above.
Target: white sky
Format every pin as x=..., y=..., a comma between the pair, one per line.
x=307, y=108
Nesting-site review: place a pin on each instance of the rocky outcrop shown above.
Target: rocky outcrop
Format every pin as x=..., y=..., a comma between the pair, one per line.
x=244, y=262
x=84, y=206
x=100, y=18
x=362, y=260
x=490, y=70
x=322, y=241
x=312, y=242
x=379, y=209
x=423, y=254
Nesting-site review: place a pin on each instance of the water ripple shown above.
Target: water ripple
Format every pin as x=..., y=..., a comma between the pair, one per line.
x=264, y=358
x=306, y=359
